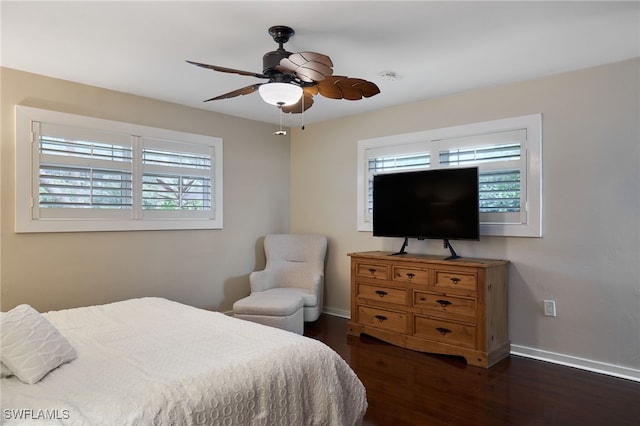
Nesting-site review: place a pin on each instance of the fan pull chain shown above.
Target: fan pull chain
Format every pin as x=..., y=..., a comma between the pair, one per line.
x=280, y=132
x=303, y=110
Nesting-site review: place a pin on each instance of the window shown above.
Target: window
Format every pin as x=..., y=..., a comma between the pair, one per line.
x=507, y=153
x=78, y=173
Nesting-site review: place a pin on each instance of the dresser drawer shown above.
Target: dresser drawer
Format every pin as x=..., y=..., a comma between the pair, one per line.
x=372, y=270
x=383, y=318
x=445, y=303
x=411, y=275
x=383, y=294
x=452, y=333
x=456, y=279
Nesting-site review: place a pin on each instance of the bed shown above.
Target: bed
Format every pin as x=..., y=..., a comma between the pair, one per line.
x=151, y=361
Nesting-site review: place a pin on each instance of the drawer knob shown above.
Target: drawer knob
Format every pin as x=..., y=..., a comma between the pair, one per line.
x=380, y=318
x=381, y=293
x=443, y=330
x=455, y=280
x=372, y=270
x=443, y=303
x=410, y=275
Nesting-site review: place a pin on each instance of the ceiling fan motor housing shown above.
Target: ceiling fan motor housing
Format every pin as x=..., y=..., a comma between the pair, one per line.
x=271, y=60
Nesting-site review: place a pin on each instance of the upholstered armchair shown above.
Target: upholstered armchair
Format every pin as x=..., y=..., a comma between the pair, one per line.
x=294, y=266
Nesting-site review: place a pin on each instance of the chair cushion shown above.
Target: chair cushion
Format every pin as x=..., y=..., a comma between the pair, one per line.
x=308, y=298
x=271, y=303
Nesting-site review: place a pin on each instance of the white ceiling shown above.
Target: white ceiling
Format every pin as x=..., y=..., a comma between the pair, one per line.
x=435, y=48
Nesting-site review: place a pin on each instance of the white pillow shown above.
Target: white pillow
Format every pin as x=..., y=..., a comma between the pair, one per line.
x=31, y=345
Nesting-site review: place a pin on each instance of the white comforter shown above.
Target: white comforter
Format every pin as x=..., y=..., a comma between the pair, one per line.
x=151, y=361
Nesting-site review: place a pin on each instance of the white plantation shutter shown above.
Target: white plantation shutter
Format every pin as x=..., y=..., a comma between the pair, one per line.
x=84, y=170
x=500, y=191
x=499, y=157
x=176, y=177
x=81, y=187
x=83, y=174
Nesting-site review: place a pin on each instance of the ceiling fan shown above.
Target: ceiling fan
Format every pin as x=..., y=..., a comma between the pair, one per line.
x=294, y=78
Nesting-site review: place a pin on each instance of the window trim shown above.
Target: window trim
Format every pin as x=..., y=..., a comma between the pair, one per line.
x=27, y=158
x=532, y=152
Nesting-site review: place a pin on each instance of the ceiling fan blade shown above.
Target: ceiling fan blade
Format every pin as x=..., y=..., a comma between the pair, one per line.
x=342, y=87
x=243, y=91
x=308, y=66
x=229, y=70
x=307, y=95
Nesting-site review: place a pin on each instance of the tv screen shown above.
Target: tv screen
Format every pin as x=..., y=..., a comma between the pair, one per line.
x=438, y=204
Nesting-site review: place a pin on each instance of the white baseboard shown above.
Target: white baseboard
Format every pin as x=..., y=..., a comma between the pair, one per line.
x=546, y=356
x=337, y=312
x=575, y=362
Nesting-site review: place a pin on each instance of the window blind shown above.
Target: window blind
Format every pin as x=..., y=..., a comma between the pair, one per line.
x=76, y=187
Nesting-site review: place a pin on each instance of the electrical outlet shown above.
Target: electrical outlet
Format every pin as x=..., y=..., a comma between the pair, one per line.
x=550, y=308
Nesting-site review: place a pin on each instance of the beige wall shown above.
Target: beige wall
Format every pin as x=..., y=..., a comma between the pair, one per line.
x=588, y=259
x=202, y=268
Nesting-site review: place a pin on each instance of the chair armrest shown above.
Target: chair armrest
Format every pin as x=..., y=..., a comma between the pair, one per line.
x=260, y=281
x=318, y=283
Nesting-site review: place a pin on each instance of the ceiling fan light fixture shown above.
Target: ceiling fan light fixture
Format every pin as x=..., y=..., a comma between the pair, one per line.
x=294, y=78
x=280, y=93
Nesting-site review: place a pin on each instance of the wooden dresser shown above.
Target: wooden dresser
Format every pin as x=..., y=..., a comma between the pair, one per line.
x=425, y=303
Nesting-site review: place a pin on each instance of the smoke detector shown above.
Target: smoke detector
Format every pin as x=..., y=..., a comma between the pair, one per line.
x=388, y=75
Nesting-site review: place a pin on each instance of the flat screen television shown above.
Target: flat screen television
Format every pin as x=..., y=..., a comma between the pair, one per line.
x=428, y=204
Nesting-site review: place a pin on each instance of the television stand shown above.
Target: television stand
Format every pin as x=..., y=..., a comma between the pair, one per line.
x=446, y=244
x=454, y=255
x=402, y=249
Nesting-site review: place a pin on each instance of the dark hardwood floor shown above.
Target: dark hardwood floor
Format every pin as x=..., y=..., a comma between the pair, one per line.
x=405, y=387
